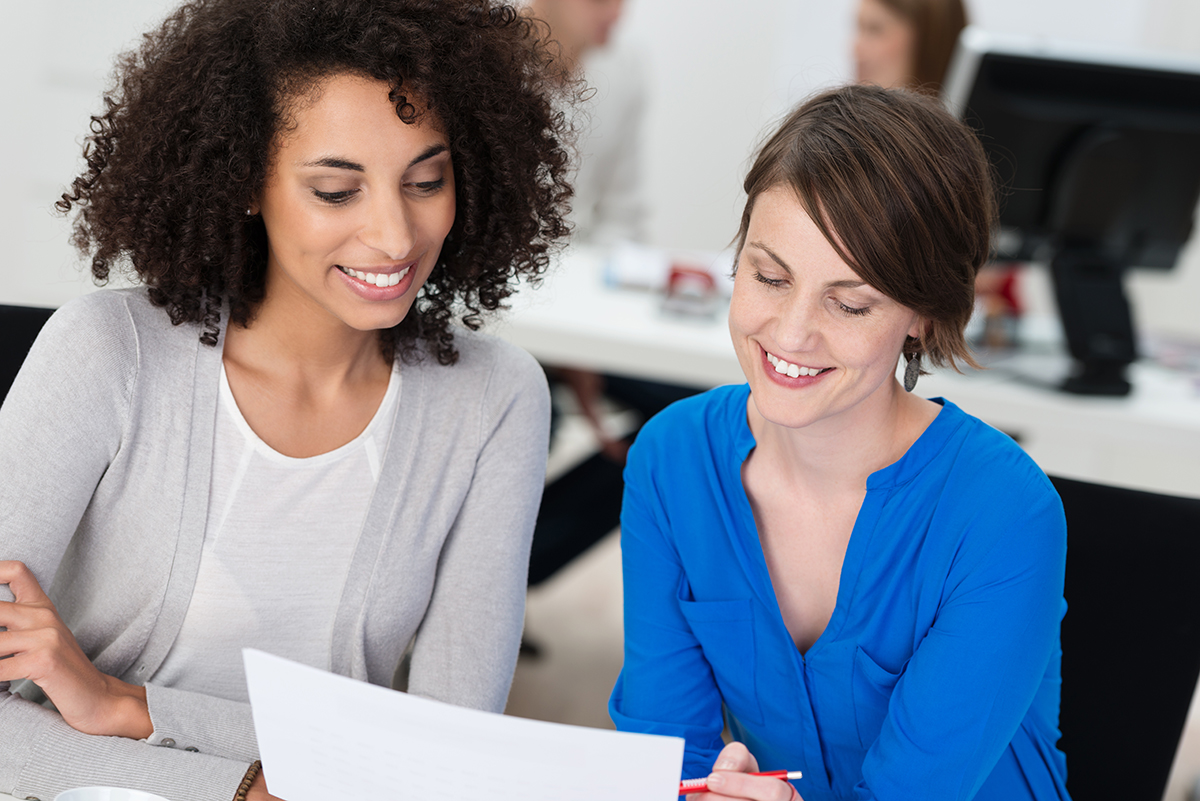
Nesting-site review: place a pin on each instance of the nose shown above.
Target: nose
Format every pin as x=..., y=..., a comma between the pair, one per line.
x=388, y=227
x=796, y=327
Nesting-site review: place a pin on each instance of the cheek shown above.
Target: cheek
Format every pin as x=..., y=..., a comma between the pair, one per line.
x=744, y=313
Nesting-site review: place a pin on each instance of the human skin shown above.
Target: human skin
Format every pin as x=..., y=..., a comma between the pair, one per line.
x=352, y=192
x=833, y=416
x=351, y=187
x=884, y=46
x=578, y=25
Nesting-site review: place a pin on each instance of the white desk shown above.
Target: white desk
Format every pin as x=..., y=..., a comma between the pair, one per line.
x=1149, y=440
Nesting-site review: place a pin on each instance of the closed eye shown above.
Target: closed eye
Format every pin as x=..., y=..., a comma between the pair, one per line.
x=856, y=311
x=429, y=187
x=334, y=198
x=762, y=279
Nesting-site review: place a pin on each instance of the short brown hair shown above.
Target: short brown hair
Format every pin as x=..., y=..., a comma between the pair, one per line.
x=936, y=24
x=901, y=190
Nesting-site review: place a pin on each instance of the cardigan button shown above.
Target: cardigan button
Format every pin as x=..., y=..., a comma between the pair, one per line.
x=167, y=742
x=193, y=749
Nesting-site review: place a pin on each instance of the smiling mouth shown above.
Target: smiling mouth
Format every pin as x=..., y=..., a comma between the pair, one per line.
x=793, y=370
x=377, y=279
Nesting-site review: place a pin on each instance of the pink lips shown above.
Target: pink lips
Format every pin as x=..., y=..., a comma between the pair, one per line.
x=783, y=379
x=372, y=292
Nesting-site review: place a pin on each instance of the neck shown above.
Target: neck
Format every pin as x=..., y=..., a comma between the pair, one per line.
x=298, y=345
x=841, y=452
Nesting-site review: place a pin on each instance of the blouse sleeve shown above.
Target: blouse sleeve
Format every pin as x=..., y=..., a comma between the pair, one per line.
x=465, y=650
x=666, y=685
x=958, y=702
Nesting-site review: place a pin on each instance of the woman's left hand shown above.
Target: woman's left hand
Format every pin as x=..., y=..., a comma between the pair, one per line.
x=43, y=649
x=729, y=779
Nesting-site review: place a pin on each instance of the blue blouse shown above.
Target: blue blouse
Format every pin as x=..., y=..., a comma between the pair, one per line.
x=938, y=674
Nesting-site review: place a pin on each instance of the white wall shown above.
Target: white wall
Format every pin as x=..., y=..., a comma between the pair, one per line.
x=720, y=71
x=723, y=71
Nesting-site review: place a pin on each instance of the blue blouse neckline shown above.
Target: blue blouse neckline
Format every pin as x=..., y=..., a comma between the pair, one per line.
x=903, y=470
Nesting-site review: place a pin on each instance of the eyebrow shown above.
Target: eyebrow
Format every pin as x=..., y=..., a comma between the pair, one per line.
x=338, y=163
x=843, y=284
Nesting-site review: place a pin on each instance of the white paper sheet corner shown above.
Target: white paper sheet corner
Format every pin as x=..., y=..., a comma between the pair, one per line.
x=324, y=737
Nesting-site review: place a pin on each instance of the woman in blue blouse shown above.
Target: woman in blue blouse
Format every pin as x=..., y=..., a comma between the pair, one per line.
x=864, y=585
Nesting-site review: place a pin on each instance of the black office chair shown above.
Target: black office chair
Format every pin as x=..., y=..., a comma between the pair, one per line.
x=19, y=327
x=1130, y=639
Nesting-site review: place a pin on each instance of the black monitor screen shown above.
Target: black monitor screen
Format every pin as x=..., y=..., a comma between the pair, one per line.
x=1093, y=151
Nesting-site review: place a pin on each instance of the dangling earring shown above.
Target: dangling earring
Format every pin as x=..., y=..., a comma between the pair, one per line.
x=912, y=371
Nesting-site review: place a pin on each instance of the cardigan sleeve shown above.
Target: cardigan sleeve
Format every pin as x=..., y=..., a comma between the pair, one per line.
x=958, y=702
x=666, y=684
x=60, y=427
x=465, y=650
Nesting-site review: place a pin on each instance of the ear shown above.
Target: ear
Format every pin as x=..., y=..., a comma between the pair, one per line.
x=252, y=209
x=919, y=327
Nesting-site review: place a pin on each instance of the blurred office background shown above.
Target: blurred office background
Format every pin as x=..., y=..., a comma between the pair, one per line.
x=718, y=72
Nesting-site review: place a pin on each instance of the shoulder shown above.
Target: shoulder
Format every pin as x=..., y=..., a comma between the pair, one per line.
x=490, y=374
x=692, y=434
x=94, y=332
x=714, y=413
x=985, y=457
x=114, y=318
x=994, y=488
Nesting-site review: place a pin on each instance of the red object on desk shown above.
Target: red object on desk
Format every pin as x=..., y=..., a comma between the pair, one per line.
x=701, y=785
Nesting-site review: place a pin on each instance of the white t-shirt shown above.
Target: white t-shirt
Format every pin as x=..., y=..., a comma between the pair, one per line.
x=277, y=548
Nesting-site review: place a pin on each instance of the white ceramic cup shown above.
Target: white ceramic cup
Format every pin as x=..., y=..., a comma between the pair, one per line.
x=106, y=794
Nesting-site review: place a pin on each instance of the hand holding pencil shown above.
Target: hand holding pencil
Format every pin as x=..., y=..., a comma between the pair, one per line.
x=735, y=775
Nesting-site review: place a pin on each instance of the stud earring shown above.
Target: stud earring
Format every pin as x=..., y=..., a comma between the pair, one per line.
x=912, y=371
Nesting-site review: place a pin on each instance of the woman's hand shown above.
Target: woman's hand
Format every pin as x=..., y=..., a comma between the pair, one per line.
x=42, y=648
x=729, y=779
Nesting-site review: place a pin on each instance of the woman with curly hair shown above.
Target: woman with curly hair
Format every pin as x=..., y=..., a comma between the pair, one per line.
x=279, y=440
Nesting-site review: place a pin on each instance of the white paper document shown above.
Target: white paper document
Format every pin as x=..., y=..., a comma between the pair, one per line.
x=325, y=737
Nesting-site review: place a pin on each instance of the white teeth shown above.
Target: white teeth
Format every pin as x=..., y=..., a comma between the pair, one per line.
x=378, y=279
x=791, y=370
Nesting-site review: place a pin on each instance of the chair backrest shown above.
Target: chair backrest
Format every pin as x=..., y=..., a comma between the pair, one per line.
x=19, y=327
x=1130, y=639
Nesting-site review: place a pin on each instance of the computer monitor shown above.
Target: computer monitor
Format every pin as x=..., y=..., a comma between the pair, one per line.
x=1097, y=154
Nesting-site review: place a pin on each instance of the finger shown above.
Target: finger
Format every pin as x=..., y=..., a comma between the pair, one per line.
x=21, y=581
x=14, y=667
x=736, y=756
x=35, y=651
x=20, y=616
x=754, y=788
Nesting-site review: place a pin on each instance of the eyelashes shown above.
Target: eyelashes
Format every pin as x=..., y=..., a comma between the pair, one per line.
x=338, y=198
x=334, y=198
x=854, y=311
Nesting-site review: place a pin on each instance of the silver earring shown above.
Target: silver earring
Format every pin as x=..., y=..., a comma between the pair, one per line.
x=249, y=213
x=912, y=371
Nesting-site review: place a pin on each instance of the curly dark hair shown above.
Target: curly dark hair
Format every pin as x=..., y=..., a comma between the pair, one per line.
x=184, y=145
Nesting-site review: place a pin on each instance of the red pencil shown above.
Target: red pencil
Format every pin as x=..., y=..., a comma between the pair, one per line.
x=701, y=785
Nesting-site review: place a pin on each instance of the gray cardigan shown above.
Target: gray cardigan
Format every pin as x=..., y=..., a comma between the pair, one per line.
x=105, y=458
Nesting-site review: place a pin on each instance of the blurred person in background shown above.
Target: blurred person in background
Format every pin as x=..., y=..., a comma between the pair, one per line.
x=906, y=43
x=607, y=206
x=584, y=504
x=909, y=44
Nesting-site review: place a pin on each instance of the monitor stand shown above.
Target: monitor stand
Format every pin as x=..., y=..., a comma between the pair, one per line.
x=1096, y=321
